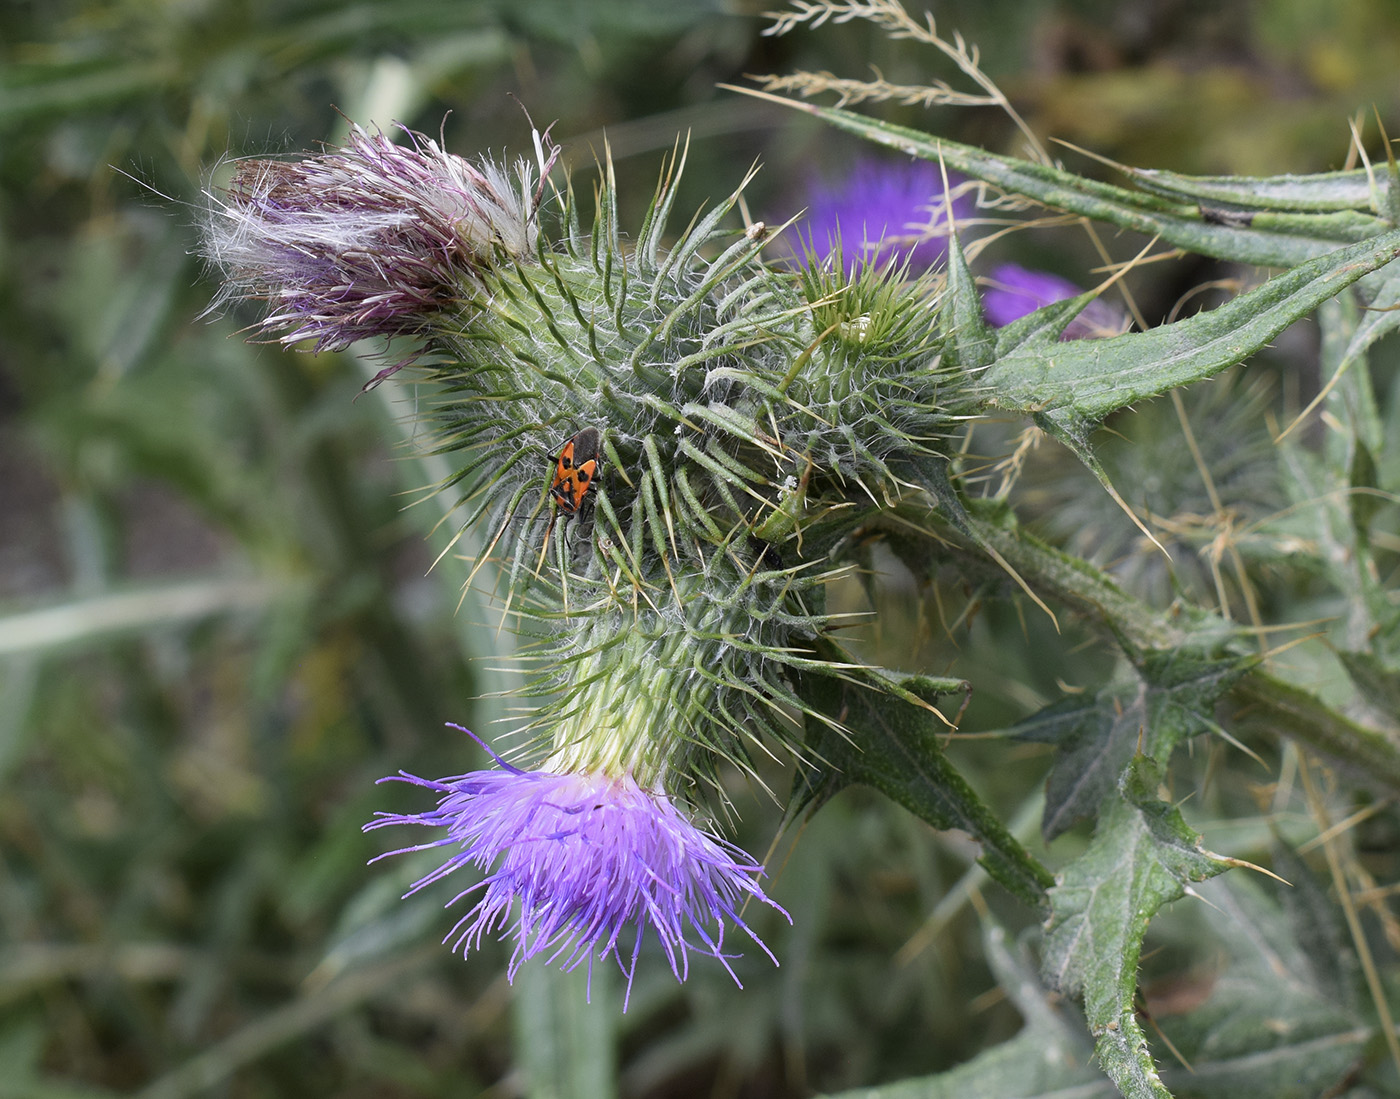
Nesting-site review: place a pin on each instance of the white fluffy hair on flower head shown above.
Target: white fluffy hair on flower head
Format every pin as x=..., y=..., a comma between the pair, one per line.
x=369, y=239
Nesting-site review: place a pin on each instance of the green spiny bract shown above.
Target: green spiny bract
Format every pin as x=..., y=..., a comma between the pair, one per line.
x=663, y=691
x=745, y=414
x=720, y=387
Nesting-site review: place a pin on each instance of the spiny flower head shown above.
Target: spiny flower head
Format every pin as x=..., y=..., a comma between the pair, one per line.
x=370, y=239
x=730, y=412
x=587, y=854
x=716, y=400
x=1013, y=291
x=720, y=389
x=593, y=846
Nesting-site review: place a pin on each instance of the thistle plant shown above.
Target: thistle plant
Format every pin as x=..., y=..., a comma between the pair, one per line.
x=671, y=446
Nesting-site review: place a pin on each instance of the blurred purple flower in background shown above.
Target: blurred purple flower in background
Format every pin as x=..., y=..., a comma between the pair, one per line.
x=1012, y=291
x=895, y=210
x=875, y=205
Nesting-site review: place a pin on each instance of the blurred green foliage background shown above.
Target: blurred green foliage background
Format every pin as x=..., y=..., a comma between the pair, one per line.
x=219, y=620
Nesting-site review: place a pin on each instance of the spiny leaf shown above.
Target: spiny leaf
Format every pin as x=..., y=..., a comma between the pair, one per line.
x=1097, y=734
x=893, y=747
x=1271, y=239
x=1266, y=703
x=1091, y=378
x=1142, y=856
x=968, y=339
x=1325, y=192
x=1041, y=326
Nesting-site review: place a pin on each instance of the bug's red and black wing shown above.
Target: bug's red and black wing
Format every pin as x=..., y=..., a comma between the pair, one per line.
x=575, y=471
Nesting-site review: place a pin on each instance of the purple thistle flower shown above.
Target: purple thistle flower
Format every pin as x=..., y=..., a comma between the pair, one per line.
x=883, y=210
x=371, y=239
x=585, y=854
x=1014, y=291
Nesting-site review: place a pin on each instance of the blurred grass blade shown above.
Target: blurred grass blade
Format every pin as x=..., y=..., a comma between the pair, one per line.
x=288, y=1023
x=160, y=605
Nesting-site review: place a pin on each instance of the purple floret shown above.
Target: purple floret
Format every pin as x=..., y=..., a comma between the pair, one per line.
x=586, y=855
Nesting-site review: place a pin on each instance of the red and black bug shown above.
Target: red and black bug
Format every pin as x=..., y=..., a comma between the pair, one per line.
x=575, y=471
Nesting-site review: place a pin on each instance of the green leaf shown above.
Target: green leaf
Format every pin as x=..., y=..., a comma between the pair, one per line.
x=1142, y=856
x=1091, y=378
x=1264, y=703
x=1270, y=239
x=1325, y=192
x=1041, y=326
x=1170, y=698
x=968, y=340
x=891, y=743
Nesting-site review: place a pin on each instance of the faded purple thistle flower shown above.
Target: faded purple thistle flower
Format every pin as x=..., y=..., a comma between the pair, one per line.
x=1013, y=291
x=586, y=855
x=883, y=210
x=370, y=239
